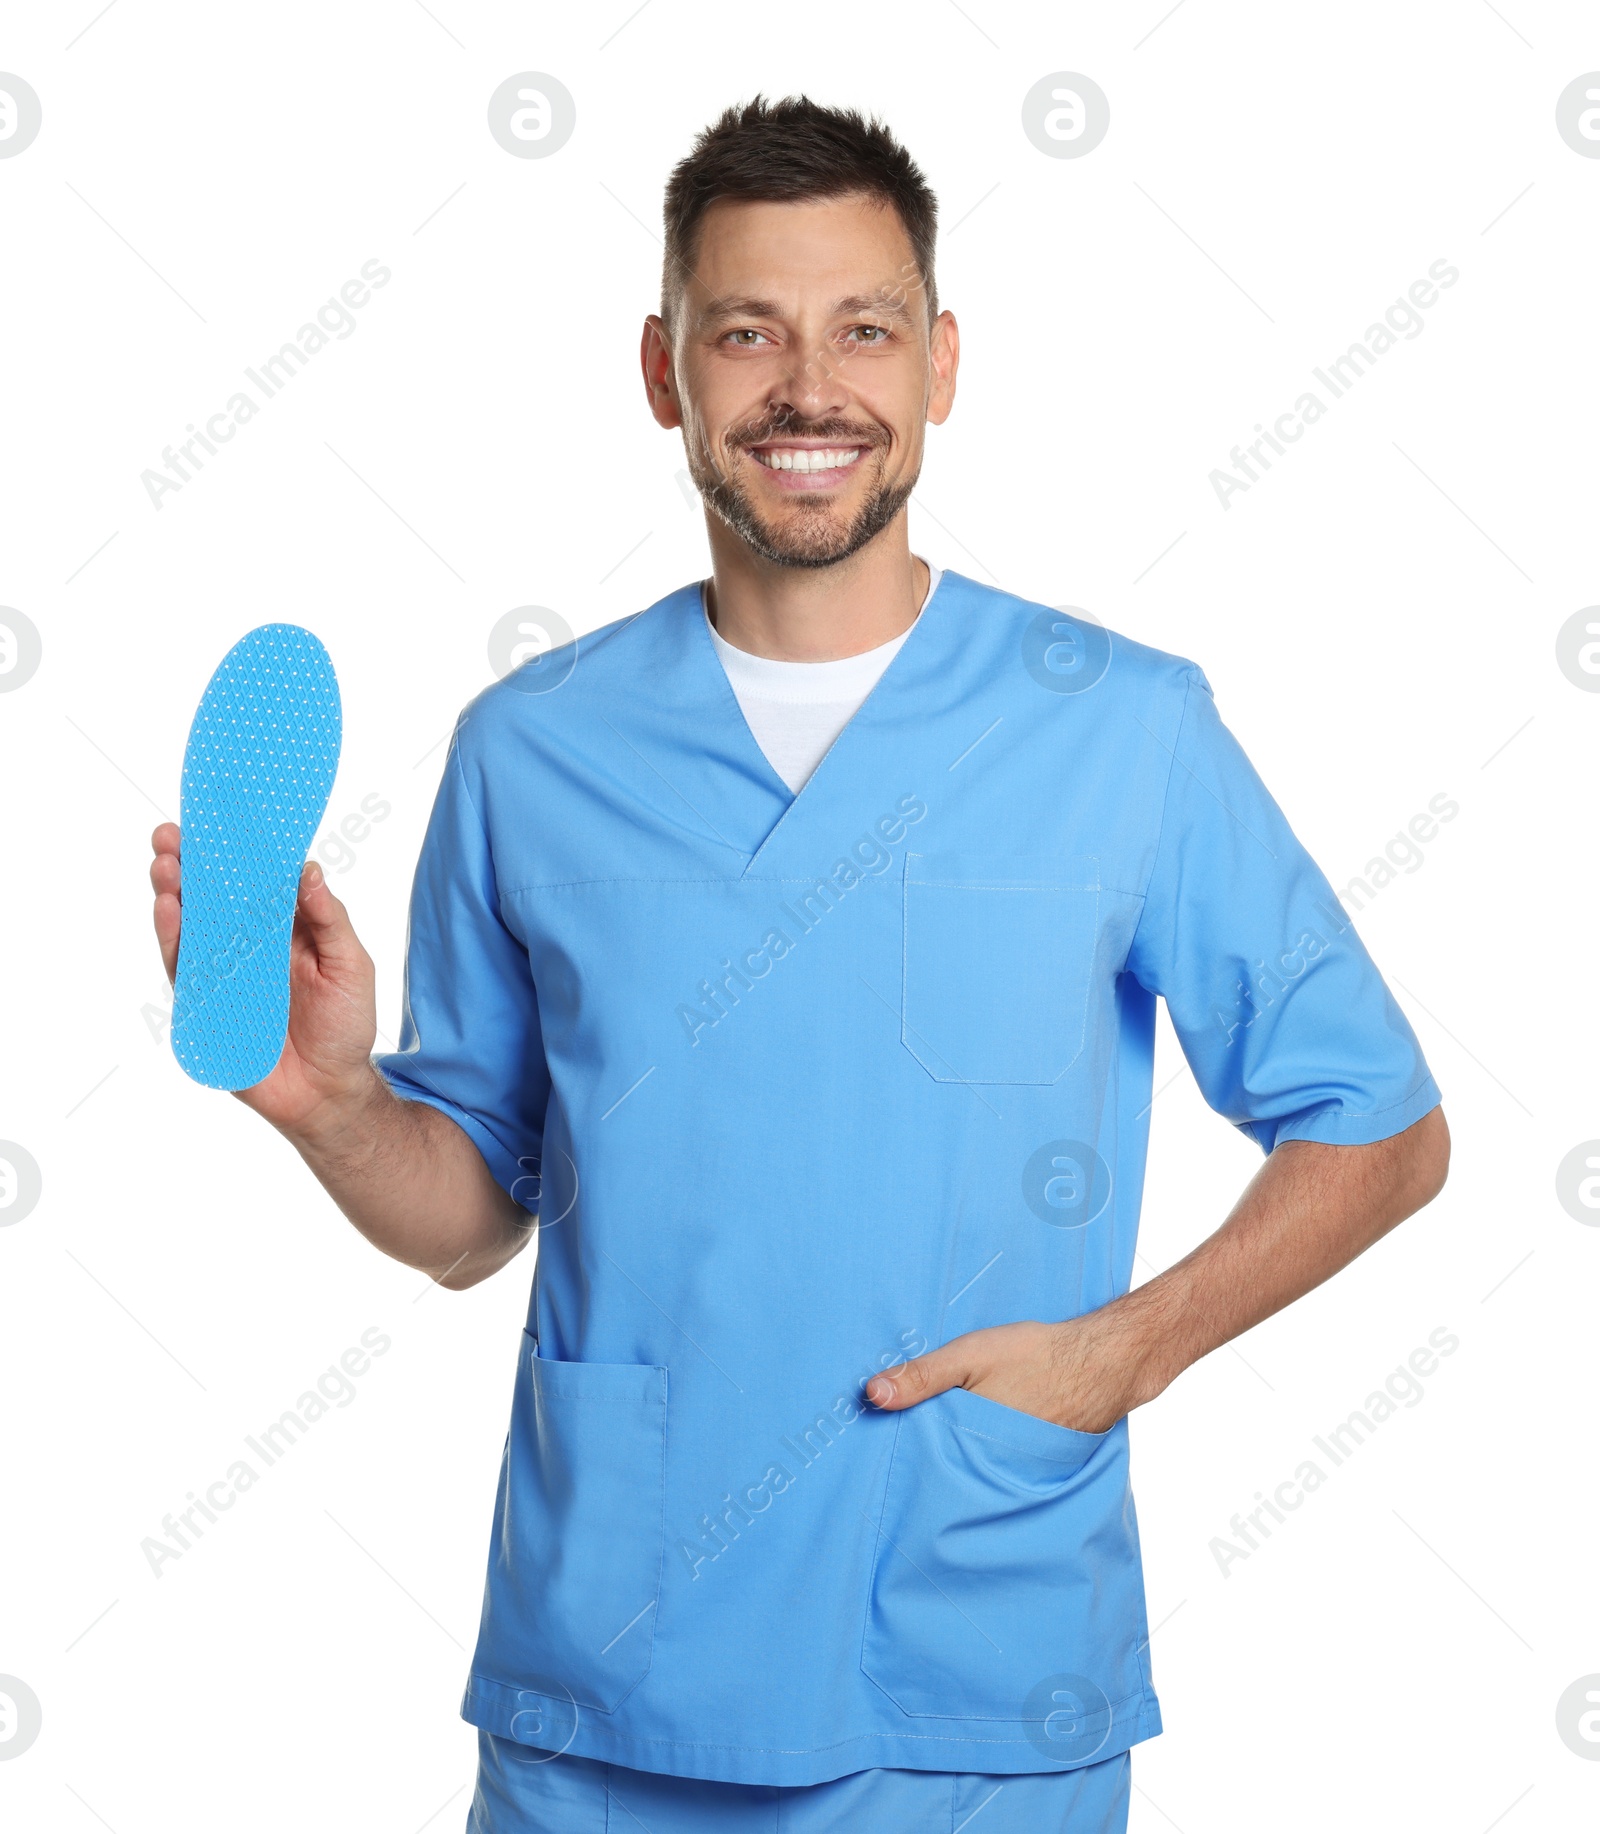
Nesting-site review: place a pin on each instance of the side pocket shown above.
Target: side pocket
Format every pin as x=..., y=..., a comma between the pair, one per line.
x=997, y=963
x=1002, y=1560
x=575, y=1559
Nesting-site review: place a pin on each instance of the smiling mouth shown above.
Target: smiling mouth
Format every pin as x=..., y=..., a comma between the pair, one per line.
x=807, y=458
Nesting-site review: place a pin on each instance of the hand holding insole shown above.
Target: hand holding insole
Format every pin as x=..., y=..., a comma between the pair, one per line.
x=257, y=774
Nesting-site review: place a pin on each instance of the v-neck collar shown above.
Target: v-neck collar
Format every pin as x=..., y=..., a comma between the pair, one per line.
x=922, y=636
x=752, y=745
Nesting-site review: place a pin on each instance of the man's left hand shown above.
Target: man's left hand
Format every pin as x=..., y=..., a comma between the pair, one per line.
x=1065, y=1373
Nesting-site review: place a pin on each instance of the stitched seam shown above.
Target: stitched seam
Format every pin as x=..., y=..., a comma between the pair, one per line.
x=566, y=885
x=1144, y=1697
x=563, y=885
x=1031, y=1451
x=1008, y=885
x=561, y=1394
x=877, y=1546
x=1166, y=798
x=483, y=828
x=1351, y=1114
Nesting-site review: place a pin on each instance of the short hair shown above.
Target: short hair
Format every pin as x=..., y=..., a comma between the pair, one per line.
x=791, y=151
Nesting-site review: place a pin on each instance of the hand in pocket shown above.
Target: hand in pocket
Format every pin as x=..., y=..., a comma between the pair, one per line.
x=1069, y=1374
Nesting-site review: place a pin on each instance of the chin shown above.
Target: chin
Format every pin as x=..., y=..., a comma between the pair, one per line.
x=814, y=534
x=810, y=540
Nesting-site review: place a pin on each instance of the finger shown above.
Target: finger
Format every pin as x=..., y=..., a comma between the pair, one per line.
x=908, y=1383
x=166, y=874
x=324, y=920
x=167, y=838
x=168, y=921
x=316, y=904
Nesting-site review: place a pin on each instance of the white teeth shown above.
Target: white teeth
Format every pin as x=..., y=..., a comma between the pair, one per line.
x=802, y=458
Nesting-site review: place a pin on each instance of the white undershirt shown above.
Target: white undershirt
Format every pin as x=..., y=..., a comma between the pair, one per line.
x=797, y=709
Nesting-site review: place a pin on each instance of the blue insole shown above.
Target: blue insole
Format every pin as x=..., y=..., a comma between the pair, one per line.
x=257, y=774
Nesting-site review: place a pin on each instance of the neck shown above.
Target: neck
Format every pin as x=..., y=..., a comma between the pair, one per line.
x=814, y=614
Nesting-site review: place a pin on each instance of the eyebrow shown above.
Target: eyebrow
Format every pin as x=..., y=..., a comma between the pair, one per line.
x=881, y=305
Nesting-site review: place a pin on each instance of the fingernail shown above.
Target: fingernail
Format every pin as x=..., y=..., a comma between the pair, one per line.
x=313, y=873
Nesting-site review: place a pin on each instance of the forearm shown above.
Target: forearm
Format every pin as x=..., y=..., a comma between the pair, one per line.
x=1309, y=1211
x=412, y=1182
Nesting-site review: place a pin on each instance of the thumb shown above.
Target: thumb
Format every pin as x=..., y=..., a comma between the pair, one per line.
x=323, y=915
x=908, y=1383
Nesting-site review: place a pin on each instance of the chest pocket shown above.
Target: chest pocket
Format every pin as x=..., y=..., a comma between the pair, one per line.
x=998, y=956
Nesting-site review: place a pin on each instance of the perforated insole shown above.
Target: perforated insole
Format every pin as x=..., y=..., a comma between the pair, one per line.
x=257, y=774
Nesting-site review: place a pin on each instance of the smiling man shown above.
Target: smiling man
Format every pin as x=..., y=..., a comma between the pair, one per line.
x=791, y=951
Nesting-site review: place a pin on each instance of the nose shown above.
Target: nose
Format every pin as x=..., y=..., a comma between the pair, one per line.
x=811, y=389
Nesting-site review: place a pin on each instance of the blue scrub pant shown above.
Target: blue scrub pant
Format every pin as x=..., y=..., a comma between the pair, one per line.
x=524, y=1791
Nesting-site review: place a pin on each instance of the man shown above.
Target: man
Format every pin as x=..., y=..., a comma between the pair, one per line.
x=791, y=950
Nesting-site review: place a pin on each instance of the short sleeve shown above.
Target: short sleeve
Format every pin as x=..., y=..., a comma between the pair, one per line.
x=1281, y=1013
x=470, y=1043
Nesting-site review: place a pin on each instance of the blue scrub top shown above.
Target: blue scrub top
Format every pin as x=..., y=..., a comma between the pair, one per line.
x=802, y=1085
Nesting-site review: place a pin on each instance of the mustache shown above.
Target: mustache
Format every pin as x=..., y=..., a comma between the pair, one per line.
x=775, y=426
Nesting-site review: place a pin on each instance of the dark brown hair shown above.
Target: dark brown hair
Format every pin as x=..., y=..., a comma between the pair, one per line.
x=786, y=152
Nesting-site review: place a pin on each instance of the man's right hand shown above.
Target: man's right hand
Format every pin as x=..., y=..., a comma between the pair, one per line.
x=405, y=1174
x=325, y=1068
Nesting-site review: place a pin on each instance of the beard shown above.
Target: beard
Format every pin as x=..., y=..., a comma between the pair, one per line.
x=813, y=533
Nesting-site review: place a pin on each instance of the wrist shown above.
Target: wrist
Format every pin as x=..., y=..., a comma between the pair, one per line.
x=342, y=1114
x=1131, y=1345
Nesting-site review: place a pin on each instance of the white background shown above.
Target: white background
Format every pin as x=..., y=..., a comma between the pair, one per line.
x=1378, y=616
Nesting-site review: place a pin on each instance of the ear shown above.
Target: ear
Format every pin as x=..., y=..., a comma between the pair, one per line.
x=660, y=384
x=944, y=348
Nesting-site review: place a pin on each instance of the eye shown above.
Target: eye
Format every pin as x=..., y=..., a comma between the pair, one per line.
x=869, y=334
x=745, y=338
